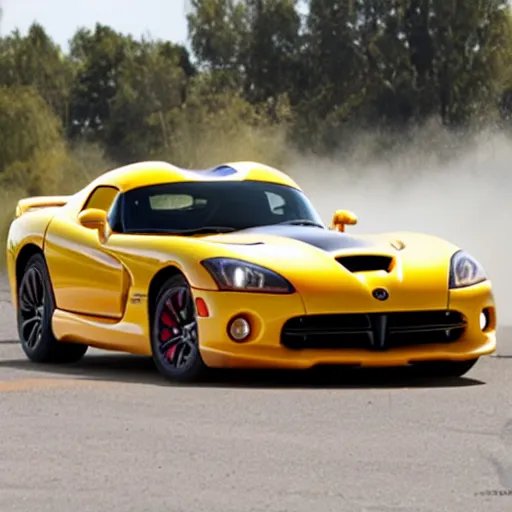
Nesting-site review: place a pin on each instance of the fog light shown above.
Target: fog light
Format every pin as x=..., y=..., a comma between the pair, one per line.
x=239, y=329
x=484, y=321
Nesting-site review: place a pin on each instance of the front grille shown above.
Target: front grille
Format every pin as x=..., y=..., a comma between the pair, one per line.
x=376, y=331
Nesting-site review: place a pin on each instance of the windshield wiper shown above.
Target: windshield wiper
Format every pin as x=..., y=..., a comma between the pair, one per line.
x=206, y=229
x=196, y=231
x=302, y=222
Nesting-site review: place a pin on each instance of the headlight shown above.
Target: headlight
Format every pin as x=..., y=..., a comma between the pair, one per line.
x=465, y=270
x=237, y=275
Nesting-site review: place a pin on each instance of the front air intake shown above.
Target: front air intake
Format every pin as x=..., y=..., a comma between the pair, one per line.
x=376, y=331
x=365, y=263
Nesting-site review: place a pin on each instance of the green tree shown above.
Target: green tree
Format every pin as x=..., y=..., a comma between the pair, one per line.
x=456, y=49
x=152, y=82
x=219, y=30
x=222, y=126
x=33, y=152
x=262, y=68
x=97, y=57
x=273, y=54
x=337, y=62
x=35, y=60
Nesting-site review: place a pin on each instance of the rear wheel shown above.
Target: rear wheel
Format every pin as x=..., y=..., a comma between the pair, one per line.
x=174, y=333
x=445, y=368
x=35, y=309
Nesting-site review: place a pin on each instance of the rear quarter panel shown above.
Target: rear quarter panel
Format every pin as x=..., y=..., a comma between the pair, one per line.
x=29, y=229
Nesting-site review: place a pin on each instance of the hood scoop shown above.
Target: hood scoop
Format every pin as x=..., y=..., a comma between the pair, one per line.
x=366, y=263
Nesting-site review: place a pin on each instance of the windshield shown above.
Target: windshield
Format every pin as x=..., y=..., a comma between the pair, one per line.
x=216, y=206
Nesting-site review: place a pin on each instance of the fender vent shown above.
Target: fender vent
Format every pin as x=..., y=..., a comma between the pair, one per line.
x=365, y=263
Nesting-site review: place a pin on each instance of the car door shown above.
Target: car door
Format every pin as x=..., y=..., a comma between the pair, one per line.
x=86, y=279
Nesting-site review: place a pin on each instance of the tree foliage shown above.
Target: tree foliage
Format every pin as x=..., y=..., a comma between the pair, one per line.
x=262, y=75
x=32, y=152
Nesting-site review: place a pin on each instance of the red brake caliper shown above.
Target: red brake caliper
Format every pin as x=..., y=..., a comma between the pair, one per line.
x=171, y=326
x=167, y=332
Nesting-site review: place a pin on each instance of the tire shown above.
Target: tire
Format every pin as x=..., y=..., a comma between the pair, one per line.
x=445, y=369
x=174, y=333
x=36, y=305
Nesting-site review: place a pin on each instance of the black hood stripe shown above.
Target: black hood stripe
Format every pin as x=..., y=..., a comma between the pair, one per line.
x=321, y=238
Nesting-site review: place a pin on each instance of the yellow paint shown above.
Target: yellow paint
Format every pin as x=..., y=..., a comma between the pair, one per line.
x=34, y=203
x=342, y=218
x=95, y=273
x=269, y=314
x=102, y=198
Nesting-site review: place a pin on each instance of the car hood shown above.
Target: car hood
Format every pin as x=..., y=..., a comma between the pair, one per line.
x=323, y=239
x=333, y=270
x=303, y=242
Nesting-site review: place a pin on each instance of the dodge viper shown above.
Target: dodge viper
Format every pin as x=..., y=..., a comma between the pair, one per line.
x=233, y=267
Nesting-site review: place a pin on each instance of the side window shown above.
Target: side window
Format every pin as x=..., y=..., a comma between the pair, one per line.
x=276, y=203
x=114, y=214
x=101, y=197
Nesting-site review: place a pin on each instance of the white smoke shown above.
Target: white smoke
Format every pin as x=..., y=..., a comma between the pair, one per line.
x=467, y=200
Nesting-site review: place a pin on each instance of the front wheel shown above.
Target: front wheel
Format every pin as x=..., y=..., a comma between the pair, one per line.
x=35, y=310
x=445, y=369
x=174, y=333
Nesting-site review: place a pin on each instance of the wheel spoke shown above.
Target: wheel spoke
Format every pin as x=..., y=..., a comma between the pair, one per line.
x=26, y=299
x=189, y=310
x=166, y=345
x=32, y=336
x=172, y=310
x=39, y=291
x=180, y=305
x=31, y=302
x=25, y=304
x=35, y=318
x=39, y=332
x=32, y=287
x=181, y=355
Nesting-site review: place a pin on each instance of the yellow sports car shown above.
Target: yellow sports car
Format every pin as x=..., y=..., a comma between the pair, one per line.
x=233, y=267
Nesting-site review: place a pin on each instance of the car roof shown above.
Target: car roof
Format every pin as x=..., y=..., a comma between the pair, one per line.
x=155, y=173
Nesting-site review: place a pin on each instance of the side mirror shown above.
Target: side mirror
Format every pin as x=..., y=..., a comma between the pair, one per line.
x=93, y=218
x=341, y=218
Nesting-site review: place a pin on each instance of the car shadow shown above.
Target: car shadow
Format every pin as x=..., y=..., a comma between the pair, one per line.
x=126, y=368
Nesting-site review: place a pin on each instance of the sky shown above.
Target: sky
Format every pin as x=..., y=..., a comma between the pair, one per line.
x=158, y=19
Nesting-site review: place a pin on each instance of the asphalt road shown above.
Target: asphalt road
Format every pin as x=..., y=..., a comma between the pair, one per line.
x=108, y=434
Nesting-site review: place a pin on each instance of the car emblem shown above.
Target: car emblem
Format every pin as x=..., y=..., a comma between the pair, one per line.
x=380, y=294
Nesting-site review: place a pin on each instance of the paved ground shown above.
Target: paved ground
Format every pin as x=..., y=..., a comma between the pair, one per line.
x=110, y=435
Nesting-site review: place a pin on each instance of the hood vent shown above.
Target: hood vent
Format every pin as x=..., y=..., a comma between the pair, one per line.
x=365, y=263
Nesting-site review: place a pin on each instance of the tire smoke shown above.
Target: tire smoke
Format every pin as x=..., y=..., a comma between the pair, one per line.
x=465, y=198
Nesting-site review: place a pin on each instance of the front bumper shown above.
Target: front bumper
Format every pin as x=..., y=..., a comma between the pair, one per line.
x=268, y=314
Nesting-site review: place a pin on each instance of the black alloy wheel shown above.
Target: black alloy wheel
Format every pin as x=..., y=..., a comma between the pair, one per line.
x=35, y=310
x=31, y=307
x=174, y=336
